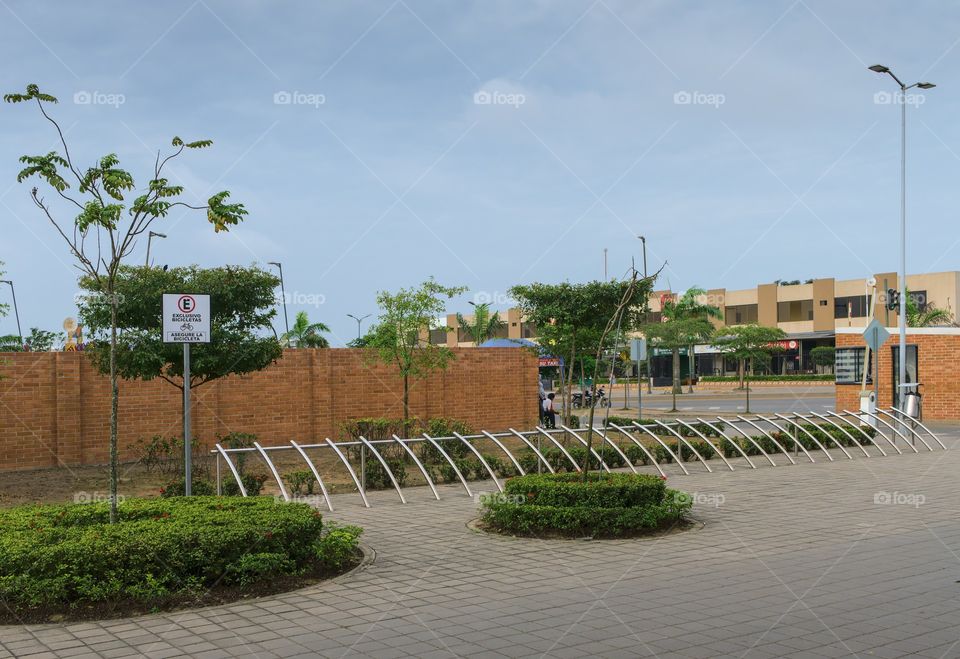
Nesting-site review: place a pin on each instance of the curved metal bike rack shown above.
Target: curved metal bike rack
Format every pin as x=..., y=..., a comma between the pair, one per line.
x=559, y=446
x=626, y=460
x=386, y=467
x=643, y=448
x=783, y=430
x=353, y=474
x=857, y=415
x=233, y=470
x=437, y=446
x=587, y=446
x=750, y=439
x=689, y=445
x=907, y=427
x=665, y=446
x=273, y=469
x=895, y=431
x=919, y=423
x=844, y=431
x=546, y=463
x=504, y=449
x=707, y=440
x=480, y=458
x=720, y=432
x=316, y=474
x=773, y=439
x=807, y=433
x=859, y=430
x=419, y=464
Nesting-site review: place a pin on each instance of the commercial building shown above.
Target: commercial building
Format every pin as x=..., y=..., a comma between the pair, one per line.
x=810, y=313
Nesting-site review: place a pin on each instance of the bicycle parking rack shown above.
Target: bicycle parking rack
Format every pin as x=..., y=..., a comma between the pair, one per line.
x=892, y=422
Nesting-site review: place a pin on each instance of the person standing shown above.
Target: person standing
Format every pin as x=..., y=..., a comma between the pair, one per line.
x=549, y=411
x=542, y=396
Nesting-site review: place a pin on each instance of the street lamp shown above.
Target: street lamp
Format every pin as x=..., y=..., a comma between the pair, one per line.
x=16, y=313
x=283, y=294
x=151, y=236
x=359, y=320
x=902, y=325
x=643, y=240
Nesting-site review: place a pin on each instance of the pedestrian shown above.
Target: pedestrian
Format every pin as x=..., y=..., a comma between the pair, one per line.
x=549, y=411
x=542, y=396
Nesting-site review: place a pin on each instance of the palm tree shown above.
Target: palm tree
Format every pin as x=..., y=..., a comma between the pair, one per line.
x=484, y=325
x=688, y=307
x=926, y=316
x=305, y=334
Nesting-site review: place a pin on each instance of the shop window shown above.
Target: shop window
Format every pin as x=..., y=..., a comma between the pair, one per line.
x=855, y=306
x=848, y=366
x=740, y=314
x=795, y=310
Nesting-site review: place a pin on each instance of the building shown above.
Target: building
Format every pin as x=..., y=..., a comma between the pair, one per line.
x=810, y=313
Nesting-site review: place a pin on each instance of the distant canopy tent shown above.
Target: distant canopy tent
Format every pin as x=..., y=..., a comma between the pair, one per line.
x=546, y=360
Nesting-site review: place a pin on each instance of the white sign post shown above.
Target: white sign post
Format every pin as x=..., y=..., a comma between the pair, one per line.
x=186, y=320
x=638, y=352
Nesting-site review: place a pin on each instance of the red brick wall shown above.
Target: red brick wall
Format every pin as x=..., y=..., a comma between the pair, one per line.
x=938, y=355
x=55, y=407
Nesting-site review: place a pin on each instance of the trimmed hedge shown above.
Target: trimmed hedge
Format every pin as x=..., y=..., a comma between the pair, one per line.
x=605, y=505
x=63, y=558
x=809, y=377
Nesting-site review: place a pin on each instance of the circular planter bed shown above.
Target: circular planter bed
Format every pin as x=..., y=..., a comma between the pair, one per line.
x=68, y=562
x=604, y=506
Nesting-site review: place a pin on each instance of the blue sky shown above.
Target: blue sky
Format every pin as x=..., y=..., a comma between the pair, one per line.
x=498, y=142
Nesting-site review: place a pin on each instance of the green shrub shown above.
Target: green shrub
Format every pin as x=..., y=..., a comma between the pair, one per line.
x=338, y=546
x=198, y=487
x=605, y=505
x=558, y=460
x=627, y=422
x=252, y=483
x=300, y=482
x=661, y=454
x=238, y=440
x=66, y=557
x=636, y=455
x=164, y=455
x=377, y=478
x=529, y=461
x=800, y=377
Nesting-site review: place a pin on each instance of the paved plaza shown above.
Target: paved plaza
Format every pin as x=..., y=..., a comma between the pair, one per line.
x=846, y=558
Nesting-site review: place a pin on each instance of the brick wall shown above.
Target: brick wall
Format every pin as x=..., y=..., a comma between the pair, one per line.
x=938, y=353
x=55, y=407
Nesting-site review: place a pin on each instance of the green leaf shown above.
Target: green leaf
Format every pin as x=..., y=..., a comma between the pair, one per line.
x=222, y=216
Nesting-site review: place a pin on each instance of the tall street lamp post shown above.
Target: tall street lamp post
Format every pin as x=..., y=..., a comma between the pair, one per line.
x=902, y=325
x=643, y=240
x=283, y=294
x=16, y=312
x=359, y=320
x=150, y=237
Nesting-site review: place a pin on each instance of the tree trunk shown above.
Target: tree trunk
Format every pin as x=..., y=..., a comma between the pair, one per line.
x=741, y=370
x=406, y=404
x=692, y=360
x=114, y=406
x=677, y=389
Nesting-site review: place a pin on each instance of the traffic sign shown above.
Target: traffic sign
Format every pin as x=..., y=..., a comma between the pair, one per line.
x=186, y=318
x=638, y=350
x=875, y=335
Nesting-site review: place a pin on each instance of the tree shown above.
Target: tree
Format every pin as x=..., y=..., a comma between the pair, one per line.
x=401, y=335
x=105, y=227
x=571, y=318
x=688, y=306
x=40, y=340
x=242, y=304
x=747, y=344
x=484, y=325
x=926, y=315
x=676, y=334
x=4, y=307
x=823, y=356
x=305, y=334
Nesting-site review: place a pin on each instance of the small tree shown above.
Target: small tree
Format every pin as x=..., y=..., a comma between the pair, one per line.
x=305, y=334
x=674, y=335
x=688, y=306
x=484, y=325
x=105, y=228
x=926, y=315
x=824, y=356
x=747, y=344
x=401, y=335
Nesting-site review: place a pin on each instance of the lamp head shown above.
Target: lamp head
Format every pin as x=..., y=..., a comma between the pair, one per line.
x=879, y=68
x=925, y=85
x=158, y=235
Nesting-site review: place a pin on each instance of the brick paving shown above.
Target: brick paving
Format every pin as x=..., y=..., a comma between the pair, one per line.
x=792, y=561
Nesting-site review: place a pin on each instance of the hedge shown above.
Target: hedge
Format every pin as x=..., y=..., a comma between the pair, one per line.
x=809, y=377
x=605, y=505
x=64, y=558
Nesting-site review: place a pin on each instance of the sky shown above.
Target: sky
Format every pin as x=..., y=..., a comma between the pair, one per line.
x=496, y=142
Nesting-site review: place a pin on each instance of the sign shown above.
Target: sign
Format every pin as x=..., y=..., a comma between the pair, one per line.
x=550, y=361
x=875, y=335
x=786, y=344
x=186, y=318
x=638, y=350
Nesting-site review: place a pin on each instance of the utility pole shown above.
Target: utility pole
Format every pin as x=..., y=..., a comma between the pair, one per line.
x=283, y=294
x=16, y=311
x=643, y=240
x=359, y=320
